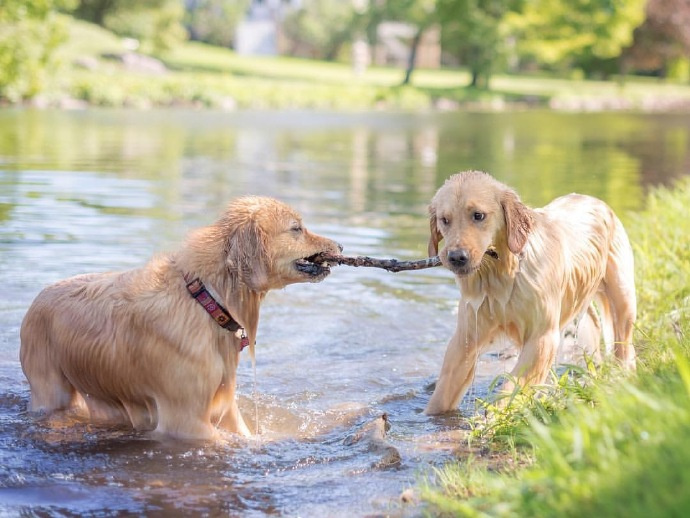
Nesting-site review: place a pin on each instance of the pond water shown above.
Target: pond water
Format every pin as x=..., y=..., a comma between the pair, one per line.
x=102, y=190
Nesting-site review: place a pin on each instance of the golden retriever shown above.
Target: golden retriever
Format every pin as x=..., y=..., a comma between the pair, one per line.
x=526, y=273
x=136, y=347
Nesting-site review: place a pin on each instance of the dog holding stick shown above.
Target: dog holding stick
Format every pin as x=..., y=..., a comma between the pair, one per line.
x=526, y=273
x=158, y=347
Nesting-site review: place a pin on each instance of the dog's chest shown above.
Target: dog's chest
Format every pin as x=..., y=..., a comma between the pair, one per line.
x=487, y=293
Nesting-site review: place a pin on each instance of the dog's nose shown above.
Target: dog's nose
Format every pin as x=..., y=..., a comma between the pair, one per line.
x=458, y=257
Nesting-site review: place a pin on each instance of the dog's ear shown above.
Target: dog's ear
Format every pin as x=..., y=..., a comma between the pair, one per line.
x=519, y=221
x=434, y=235
x=247, y=255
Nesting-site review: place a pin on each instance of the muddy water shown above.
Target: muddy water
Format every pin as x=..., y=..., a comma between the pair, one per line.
x=100, y=190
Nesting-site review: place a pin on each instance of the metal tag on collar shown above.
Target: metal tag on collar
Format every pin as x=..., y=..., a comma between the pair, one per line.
x=244, y=339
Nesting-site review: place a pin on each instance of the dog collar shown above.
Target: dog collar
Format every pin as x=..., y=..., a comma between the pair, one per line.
x=222, y=317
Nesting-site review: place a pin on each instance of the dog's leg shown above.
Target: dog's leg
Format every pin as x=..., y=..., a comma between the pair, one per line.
x=535, y=360
x=588, y=335
x=50, y=389
x=179, y=419
x=233, y=421
x=460, y=361
x=619, y=289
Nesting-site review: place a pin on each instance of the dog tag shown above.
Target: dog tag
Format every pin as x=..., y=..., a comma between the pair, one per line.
x=244, y=340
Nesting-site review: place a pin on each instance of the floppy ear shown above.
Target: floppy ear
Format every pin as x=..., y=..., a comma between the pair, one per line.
x=519, y=221
x=247, y=256
x=434, y=236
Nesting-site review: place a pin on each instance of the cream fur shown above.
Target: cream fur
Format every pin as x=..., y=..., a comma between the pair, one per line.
x=135, y=347
x=551, y=264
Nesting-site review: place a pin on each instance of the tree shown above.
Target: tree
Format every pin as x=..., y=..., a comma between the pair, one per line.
x=475, y=32
x=214, y=21
x=320, y=27
x=156, y=25
x=96, y=11
x=566, y=33
x=663, y=38
x=419, y=13
x=30, y=32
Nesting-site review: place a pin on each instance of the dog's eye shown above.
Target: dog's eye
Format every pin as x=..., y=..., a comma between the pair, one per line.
x=478, y=216
x=297, y=229
x=445, y=221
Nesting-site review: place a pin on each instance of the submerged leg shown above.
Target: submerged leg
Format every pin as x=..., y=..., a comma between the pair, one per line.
x=473, y=331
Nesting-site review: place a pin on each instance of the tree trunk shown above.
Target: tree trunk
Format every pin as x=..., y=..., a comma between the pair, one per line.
x=413, y=56
x=475, y=78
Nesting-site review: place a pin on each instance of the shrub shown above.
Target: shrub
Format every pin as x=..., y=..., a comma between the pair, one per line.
x=30, y=32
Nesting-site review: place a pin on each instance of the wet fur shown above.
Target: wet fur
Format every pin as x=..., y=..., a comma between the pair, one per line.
x=548, y=265
x=135, y=347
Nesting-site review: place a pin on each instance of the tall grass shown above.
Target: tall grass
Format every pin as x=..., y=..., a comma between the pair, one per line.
x=618, y=448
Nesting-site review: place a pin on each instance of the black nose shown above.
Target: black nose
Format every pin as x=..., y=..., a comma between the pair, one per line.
x=458, y=257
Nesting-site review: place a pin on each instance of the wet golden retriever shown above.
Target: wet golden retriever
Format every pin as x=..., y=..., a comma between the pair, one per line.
x=137, y=347
x=526, y=273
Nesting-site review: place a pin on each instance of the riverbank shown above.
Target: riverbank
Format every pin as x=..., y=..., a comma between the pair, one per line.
x=99, y=69
x=598, y=444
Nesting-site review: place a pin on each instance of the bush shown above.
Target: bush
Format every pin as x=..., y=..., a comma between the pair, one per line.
x=30, y=33
x=156, y=28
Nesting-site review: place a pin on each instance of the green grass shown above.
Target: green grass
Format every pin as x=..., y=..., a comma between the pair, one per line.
x=600, y=444
x=205, y=76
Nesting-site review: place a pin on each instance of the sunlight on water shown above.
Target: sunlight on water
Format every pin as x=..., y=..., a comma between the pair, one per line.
x=103, y=190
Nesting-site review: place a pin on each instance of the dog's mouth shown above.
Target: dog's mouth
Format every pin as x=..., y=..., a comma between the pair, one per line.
x=464, y=271
x=469, y=269
x=315, y=266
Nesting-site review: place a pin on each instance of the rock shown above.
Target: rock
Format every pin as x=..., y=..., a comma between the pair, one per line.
x=136, y=62
x=372, y=436
x=86, y=62
x=409, y=496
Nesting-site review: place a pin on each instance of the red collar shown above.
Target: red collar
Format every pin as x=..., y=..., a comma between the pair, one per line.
x=222, y=317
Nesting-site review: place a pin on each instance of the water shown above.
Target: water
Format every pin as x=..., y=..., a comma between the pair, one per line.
x=102, y=190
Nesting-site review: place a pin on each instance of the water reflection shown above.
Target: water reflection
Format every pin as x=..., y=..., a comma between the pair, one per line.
x=99, y=190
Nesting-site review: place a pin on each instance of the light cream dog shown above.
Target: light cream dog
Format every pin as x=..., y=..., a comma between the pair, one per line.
x=138, y=347
x=526, y=273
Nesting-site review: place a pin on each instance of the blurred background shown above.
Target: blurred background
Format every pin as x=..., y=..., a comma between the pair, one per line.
x=346, y=53
x=125, y=123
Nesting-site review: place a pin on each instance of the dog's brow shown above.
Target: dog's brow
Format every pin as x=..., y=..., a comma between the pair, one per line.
x=475, y=207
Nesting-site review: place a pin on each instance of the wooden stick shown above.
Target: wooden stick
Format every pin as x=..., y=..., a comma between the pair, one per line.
x=392, y=265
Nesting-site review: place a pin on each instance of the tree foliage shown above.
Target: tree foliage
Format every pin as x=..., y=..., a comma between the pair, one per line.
x=475, y=31
x=157, y=24
x=96, y=11
x=566, y=33
x=214, y=21
x=419, y=13
x=663, y=38
x=320, y=28
x=157, y=28
x=30, y=32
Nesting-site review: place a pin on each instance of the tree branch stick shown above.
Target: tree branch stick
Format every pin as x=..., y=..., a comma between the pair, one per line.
x=392, y=265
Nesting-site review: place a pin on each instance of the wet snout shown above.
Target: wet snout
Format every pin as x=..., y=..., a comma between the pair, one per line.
x=459, y=261
x=326, y=245
x=458, y=258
